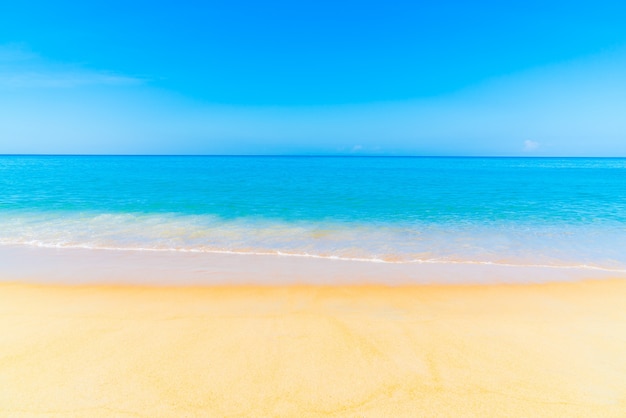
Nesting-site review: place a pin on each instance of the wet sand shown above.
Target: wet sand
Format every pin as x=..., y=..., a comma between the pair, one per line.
x=540, y=350
x=174, y=268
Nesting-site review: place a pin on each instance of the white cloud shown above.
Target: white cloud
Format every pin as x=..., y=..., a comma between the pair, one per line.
x=530, y=145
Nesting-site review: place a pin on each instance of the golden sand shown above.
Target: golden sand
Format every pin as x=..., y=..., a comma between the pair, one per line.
x=553, y=350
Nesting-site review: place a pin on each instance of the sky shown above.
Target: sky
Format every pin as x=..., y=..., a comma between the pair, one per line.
x=532, y=78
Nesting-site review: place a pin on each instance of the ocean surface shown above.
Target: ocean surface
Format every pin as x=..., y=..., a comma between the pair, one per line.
x=557, y=212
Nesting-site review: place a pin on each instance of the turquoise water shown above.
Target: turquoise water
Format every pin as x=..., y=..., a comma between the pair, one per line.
x=526, y=211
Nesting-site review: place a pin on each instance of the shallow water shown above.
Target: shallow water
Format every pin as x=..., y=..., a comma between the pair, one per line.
x=541, y=212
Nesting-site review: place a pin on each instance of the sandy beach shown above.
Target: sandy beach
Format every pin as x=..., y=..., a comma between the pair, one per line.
x=540, y=350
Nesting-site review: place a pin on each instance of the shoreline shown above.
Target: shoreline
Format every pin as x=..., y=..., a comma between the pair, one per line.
x=548, y=349
x=118, y=267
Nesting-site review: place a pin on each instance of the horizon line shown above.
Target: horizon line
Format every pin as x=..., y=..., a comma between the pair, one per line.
x=301, y=156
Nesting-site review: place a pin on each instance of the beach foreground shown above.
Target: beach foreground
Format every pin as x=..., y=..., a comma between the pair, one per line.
x=475, y=350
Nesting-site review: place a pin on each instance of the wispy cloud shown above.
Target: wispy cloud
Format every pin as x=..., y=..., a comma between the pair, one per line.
x=573, y=109
x=61, y=79
x=12, y=53
x=21, y=68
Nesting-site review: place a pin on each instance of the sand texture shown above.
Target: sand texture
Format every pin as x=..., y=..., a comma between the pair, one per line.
x=544, y=350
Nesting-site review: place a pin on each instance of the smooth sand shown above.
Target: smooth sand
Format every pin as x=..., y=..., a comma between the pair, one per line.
x=435, y=351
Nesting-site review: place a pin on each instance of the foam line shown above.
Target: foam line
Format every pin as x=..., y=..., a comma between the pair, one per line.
x=318, y=256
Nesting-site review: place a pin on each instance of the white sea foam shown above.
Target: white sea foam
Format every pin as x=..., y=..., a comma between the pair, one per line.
x=512, y=245
x=325, y=257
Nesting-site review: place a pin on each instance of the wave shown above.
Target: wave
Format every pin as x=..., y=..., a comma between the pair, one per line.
x=317, y=256
x=590, y=247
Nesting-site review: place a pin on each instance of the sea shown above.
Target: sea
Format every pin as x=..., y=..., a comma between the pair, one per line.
x=559, y=213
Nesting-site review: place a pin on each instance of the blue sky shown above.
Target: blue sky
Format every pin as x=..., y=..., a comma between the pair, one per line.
x=278, y=77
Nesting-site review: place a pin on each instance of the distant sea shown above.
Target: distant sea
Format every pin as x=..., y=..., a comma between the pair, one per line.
x=559, y=212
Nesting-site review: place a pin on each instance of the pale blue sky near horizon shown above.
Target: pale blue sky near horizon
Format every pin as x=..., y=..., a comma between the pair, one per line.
x=325, y=78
